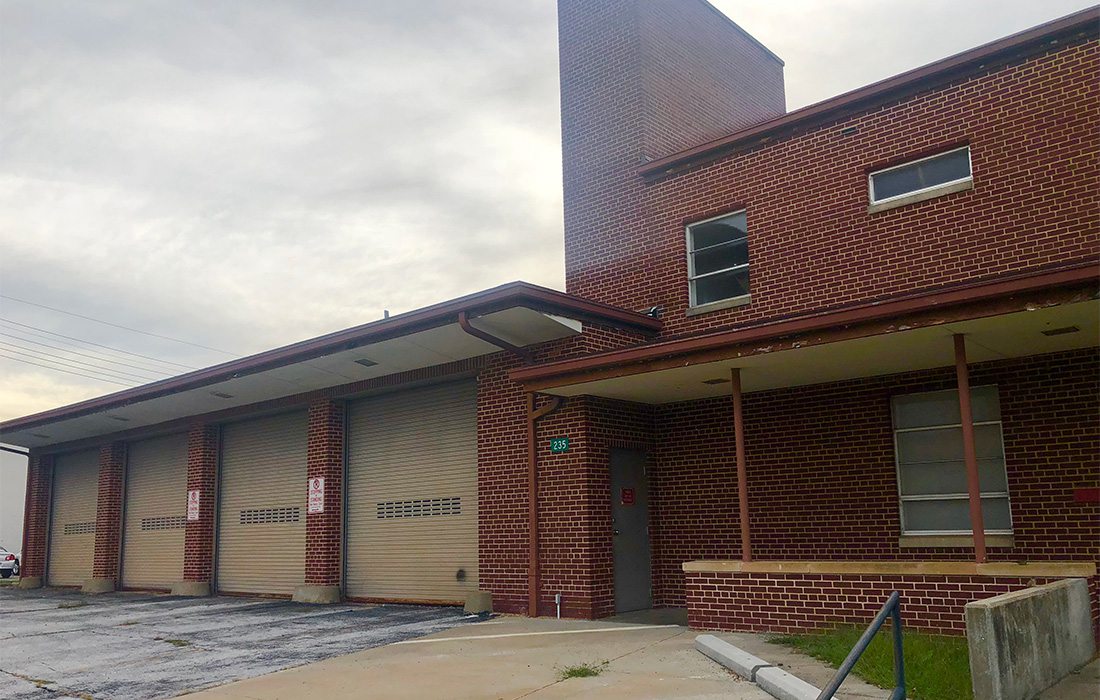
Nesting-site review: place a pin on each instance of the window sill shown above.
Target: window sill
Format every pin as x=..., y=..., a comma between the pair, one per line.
x=952, y=541
x=921, y=196
x=718, y=305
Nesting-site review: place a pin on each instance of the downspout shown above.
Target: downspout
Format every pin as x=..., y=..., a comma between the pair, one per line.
x=464, y=324
x=533, y=416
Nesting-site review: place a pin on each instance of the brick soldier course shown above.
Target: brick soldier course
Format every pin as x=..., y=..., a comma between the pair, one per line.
x=673, y=118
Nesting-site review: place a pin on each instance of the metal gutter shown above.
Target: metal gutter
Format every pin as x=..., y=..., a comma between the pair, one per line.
x=505, y=296
x=1085, y=22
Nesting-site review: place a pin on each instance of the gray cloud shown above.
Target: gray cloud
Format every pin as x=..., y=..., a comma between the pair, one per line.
x=252, y=173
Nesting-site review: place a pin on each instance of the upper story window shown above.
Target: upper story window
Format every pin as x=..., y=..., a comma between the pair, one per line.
x=930, y=177
x=718, y=259
x=931, y=469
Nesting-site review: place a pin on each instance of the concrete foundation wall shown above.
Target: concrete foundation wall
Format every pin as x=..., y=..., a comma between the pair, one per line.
x=1023, y=642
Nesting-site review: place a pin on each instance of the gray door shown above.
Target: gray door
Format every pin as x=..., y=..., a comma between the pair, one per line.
x=630, y=523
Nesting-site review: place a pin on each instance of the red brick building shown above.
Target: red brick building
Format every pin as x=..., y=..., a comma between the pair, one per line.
x=747, y=403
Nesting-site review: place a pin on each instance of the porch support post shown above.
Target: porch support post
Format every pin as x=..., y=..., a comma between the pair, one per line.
x=973, y=483
x=533, y=417
x=742, y=475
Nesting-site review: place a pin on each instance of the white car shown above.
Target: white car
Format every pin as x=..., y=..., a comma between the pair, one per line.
x=9, y=563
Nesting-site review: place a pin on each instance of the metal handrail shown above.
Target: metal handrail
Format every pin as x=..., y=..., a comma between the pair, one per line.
x=892, y=608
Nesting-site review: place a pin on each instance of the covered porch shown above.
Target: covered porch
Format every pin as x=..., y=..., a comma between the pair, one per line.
x=785, y=491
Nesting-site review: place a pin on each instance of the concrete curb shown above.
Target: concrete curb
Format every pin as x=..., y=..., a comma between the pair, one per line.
x=774, y=681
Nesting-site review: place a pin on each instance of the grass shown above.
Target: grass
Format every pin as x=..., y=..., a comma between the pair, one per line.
x=72, y=604
x=936, y=667
x=178, y=642
x=582, y=671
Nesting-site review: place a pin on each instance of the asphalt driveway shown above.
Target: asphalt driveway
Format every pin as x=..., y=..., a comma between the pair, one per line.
x=124, y=645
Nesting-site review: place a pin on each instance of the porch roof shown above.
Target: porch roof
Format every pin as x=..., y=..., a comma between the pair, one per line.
x=1022, y=316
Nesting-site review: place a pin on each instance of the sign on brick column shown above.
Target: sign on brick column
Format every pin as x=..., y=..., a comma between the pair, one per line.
x=108, y=512
x=202, y=464
x=325, y=476
x=36, y=515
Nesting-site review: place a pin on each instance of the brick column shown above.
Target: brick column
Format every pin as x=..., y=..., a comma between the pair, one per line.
x=198, y=547
x=108, y=519
x=36, y=521
x=324, y=460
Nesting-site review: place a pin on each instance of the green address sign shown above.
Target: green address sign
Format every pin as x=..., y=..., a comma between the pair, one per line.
x=559, y=445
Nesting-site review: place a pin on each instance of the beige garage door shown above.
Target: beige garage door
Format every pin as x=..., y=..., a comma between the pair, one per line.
x=156, y=512
x=412, y=495
x=262, y=506
x=72, y=518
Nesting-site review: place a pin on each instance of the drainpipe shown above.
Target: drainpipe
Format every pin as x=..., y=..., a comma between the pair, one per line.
x=464, y=324
x=533, y=416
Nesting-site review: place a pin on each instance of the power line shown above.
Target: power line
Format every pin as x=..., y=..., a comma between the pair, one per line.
x=98, y=345
x=115, y=325
x=101, y=358
x=9, y=345
x=56, y=369
x=76, y=364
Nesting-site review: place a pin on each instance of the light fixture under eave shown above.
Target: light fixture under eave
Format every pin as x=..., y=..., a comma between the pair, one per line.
x=716, y=380
x=221, y=394
x=119, y=418
x=365, y=362
x=1064, y=330
x=40, y=435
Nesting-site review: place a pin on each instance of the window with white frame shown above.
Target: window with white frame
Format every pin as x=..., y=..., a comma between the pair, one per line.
x=926, y=175
x=931, y=469
x=718, y=259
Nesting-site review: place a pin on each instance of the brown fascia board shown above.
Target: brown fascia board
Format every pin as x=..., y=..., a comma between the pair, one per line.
x=573, y=370
x=505, y=296
x=1037, y=38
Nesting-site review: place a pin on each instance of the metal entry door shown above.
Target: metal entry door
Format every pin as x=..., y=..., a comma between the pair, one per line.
x=630, y=523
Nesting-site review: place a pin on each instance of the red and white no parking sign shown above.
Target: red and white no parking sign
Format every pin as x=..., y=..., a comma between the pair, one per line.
x=316, y=495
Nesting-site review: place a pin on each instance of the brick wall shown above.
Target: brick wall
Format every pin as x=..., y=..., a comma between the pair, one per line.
x=786, y=603
x=325, y=459
x=202, y=475
x=502, y=483
x=575, y=504
x=36, y=516
x=108, y=515
x=624, y=102
x=822, y=476
x=812, y=242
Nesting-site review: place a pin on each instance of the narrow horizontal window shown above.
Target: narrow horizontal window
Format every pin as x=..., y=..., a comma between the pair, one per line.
x=165, y=522
x=79, y=528
x=924, y=175
x=718, y=259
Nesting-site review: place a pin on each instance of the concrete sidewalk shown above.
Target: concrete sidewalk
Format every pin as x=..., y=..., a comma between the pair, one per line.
x=511, y=657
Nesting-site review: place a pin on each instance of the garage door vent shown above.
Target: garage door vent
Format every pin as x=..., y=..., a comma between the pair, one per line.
x=420, y=508
x=170, y=522
x=79, y=528
x=257, y=516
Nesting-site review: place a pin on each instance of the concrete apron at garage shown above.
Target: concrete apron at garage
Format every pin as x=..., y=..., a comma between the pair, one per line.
x=58, y=643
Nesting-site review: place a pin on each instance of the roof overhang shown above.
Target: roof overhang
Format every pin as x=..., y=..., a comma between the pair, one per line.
x=519, y=314
x=1041, y=38
x=1006, y=318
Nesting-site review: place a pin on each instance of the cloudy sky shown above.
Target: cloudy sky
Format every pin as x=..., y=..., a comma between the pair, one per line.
x=247, y=174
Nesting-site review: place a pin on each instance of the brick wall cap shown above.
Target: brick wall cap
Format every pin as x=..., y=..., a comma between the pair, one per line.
x=910, y=82
x=1067, y=569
